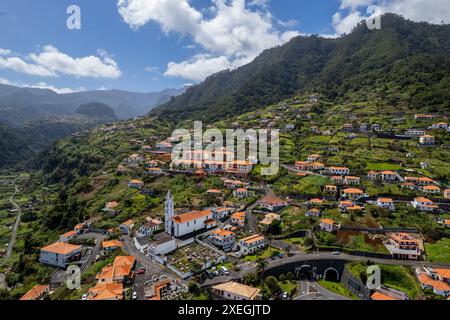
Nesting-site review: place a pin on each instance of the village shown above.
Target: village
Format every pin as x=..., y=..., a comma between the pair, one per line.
x=239, y=232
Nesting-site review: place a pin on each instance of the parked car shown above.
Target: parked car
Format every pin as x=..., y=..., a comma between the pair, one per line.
x=336, y=253
x=84, y=297
x=134, y=296
x=225, y=271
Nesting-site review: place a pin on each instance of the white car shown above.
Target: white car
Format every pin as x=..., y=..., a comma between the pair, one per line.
x=336, y=253
x=134, y=296
x=84, y=297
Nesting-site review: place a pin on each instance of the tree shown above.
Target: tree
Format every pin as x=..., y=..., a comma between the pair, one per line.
x=272, y=285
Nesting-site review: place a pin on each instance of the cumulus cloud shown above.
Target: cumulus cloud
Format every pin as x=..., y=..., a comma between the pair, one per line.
x=5, y=52
x=353, y=11
x=234, y=33
x=50, y=62
x=41, y=85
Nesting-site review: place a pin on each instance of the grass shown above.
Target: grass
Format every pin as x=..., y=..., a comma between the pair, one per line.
x=265, y=254
x=397, y=277
x=337, y=288
x=288, y=286
x=439, y=251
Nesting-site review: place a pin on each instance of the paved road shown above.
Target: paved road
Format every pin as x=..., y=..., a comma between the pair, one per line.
x=311, y=290
x=12, y=242
x=320, y=256
x=99, y=239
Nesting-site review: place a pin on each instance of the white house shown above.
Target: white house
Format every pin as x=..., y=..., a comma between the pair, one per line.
x=238, y=219
x=426, y=140
x=236, y=291
x=352, y=180
x=339, y=171
x=224, y=239
x=223, y=212
x=439, y=126
x=136, y=184
x=150, y=227
x=240, y=193
x=251, y=244
x=415, y=133
x=271, y=203
x=424, y=204
x=447, y=194
x=388, y=175
x=314, y=212
x=126, y=227
x=404, y=246
x=66, y=237
x=60, y=254
x=328, y=225
x=386, y=203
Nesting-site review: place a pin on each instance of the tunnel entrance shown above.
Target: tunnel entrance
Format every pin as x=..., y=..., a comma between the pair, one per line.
x=331, y=274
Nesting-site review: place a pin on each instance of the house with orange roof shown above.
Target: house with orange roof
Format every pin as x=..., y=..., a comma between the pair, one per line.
x=427, y=140
x=441, y=288
x=337, y=179
x=106, y=291
x=315, y=166
x=236, y=291
x=344, y=205
x=120, y=271
x=136, y=184
x=223, y=239
x=378, y=296
x=214, y=192
x=60, y=254
x=424, y=204
x=111, y=245
x=352, y=180
x=439, y=126
x=386, y=203
x=159, y=290
x=121, y=169
x=313, y=213
x=240, y=193
x=272, y=203
x=328, y=225
x=66, y=237
x=222, y=212
x=251, y=244
x=301, y=165
x=111, y=207
x=269, y=219
x=431, y=189
x=423, y=117
x=352, y=193
x=313, y=157
x=315, y=202
x=388, y=294
x=372, y=175
x=388, y=175
x=425, y=181
x=238, y=219
x=156, y=171
x=331, y=189
x=81, y=227
x=126, y=227
x=404, y=246
x=36, y=293
x=338, y=171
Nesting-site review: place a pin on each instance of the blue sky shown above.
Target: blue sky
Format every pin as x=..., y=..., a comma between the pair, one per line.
x=148, y=45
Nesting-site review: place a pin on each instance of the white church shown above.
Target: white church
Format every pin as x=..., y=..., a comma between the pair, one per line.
x=186, y=223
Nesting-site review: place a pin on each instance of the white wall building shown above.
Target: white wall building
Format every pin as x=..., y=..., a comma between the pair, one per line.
x=59, y=254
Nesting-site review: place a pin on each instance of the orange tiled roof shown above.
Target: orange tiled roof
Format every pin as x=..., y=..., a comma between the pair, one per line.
x=327, y=221
x=381, y=297
x=111, y=244
x=124, y=260
x=438, y=285
x=444, y=273
x=189, y=216
x=222, y=233
x=238, y=215
x=61, y=248
x=385, y=200
x=69, y=234
x=353, y=190
x=253, y=238
x=106, y=291
x=35, y=293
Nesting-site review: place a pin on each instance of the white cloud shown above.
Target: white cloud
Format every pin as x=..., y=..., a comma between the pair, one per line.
x=50, y=62
x=5, y=52
x=41, y=85
x=235, y=33
x=198, y=68
x=353, y=11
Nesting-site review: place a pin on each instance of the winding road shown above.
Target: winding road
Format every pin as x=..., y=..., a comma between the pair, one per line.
x=16, y=226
